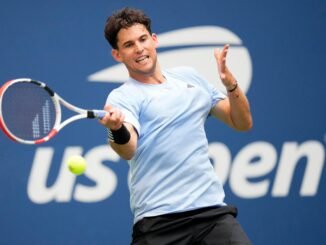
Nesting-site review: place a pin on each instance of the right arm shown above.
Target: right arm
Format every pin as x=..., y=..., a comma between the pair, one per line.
x=114, y=121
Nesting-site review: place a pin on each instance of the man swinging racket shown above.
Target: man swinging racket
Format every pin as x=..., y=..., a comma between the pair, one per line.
x=156, y=122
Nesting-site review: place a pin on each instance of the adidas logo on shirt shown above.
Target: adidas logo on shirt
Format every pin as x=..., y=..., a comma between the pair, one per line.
x=190, y=86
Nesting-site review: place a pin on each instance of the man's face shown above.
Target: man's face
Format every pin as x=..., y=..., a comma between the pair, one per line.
x=137, y=50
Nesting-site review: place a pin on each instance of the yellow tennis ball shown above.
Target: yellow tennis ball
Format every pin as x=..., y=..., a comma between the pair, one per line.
x=77, y=164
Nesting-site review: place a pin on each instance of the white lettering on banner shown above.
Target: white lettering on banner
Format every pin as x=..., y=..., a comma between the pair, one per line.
x=255, y=160
x=62, y=189
x=292, y=153
x=243, y=168
x=105, y=179
x=258, y=159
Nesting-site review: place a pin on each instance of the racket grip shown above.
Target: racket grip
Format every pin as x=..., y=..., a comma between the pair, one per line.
x=98, y=114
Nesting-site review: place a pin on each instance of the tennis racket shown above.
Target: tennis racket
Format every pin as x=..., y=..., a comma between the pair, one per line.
x=30, y=112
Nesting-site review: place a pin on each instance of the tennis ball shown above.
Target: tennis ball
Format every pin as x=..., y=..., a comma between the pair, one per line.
x=77, y=164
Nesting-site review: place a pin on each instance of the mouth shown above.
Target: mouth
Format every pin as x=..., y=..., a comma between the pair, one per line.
x=142, y=59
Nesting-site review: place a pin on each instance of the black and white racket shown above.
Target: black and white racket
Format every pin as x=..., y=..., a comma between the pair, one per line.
x=30, y=112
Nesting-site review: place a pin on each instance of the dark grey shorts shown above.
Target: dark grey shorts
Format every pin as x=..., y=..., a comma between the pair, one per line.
x=205, y=226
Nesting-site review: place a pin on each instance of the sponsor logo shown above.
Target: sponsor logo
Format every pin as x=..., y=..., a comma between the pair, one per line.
x=247, y=175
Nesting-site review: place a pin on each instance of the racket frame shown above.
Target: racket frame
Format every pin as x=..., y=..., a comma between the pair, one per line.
x=58, y=102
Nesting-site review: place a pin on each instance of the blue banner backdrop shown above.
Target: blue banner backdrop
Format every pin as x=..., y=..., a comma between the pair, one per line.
x=274, y=173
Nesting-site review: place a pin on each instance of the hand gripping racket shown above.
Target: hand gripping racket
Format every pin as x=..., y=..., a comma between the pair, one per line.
x=30, y=112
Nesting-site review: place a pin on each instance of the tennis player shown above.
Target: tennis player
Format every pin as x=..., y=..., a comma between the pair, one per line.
x=156, y=122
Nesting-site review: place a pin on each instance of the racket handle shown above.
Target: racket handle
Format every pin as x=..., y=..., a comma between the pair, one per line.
x=96, y=114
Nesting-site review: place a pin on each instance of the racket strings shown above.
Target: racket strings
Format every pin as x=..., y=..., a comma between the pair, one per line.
x=28, y=111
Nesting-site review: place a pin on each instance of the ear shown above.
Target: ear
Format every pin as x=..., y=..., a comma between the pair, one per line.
x=155, y=39
x=116, y=55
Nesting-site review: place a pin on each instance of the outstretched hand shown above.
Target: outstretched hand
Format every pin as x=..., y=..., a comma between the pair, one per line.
x=225, y=75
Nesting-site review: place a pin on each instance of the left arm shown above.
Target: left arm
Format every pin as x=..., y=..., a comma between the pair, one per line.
x=234, y=110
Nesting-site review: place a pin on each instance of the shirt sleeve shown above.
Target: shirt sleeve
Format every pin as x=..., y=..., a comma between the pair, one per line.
x=124, y=103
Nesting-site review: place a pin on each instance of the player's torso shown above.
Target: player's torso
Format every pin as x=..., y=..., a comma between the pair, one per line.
x=172, y=148
x=174, y=103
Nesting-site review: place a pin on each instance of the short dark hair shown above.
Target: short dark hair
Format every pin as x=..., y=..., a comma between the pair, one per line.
x=124, y=18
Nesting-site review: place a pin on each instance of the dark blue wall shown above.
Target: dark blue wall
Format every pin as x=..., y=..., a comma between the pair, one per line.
x=274, y=173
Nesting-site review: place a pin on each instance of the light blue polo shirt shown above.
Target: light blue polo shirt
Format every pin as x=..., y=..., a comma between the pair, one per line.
x=170, y=171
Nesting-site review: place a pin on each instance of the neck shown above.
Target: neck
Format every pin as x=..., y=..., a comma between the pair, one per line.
x=153, y=78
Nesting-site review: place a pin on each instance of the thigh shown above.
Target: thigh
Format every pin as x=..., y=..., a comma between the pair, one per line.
x=227, y=230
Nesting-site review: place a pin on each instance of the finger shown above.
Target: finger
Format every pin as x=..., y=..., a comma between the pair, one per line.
x=108, y=116
x=116, y=124
x=224, y=54
x=105, y=119
x=113, y=114
x=216, y=53
x=226, y=47
x=117, y=117
x=220, y=56
x=225, y=50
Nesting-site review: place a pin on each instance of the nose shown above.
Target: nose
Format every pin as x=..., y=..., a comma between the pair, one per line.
x=139, y=47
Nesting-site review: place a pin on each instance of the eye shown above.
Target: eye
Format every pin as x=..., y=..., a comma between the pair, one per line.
x=128, y=45
x=143, y=38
